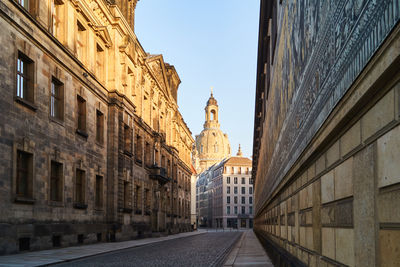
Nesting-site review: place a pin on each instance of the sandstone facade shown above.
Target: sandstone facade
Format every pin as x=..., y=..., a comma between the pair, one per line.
x=326, y=140
x=92, y=144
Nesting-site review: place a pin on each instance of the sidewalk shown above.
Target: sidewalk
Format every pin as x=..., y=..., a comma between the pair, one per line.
x=52, y=256
x=248, y=252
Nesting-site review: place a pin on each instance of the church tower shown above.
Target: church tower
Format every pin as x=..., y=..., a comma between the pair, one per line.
x=212, y=145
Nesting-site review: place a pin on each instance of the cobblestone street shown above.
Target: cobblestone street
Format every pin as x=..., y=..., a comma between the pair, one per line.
x=201, y=250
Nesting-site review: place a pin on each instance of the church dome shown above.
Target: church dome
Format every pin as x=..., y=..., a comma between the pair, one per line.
x=212, y=144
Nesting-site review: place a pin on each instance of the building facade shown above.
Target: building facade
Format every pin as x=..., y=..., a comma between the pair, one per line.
x=232, y=193
x=92, y=144
x=327, y=134
x=212, y=145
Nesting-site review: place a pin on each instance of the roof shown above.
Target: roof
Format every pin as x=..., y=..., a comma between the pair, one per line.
x=238, y=161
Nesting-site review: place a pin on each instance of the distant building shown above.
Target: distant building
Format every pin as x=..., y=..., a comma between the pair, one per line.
x=232, y=193
x=193, y=220
x=203, y=201
x=212, y=145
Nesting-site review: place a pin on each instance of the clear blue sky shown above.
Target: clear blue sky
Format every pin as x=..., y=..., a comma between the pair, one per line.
x=210, y=43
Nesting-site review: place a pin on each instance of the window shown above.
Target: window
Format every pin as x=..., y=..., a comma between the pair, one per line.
x=126, y=195
x=243, y=180
x=57, y=17
x=99, y=68
x=235, y=190
x=235, y=200
x=228, y=199
x=138, y=149
x=250, y=190
x=127, y=139
x=228, y=180
x=57, y=99
x=243, y=210
x=250, y=200
x=80, y=187
x=243, y=190
x=228, y=210
x=228, y=189
x=56, y=181
x=99, y=191
x=243, y=200
x=80, y=41
x=24, y=174
x=251, y=210
x=25, y=80
x=81, y=115
x=235, y=208
x=250, y=180
x=147, y=155
x=235, y=180
x=138, y=200
x=99, y=127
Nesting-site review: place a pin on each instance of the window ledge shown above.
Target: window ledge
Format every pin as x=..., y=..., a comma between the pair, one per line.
x=25, y=103
x=138, y=162
x=57, y=120
x=82, y=133
x=81, y=206
x=24, y=200
x=100, y=144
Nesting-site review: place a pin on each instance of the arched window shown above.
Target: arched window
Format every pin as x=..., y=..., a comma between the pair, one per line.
x=213, y=115
x=201, y=149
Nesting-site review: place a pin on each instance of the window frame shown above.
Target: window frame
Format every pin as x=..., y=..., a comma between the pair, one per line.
x=25, y=96
x=60, y=182
x=60, y=86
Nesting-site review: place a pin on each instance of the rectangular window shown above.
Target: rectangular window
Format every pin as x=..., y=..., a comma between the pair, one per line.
x=138, y=200
x=80, y=187
x=147, y=155
x=228, y=210
x=81, y=114
x=235, y=200
x=57, y=17
x=99, y=191
x=235, y=208
x=243, y=180
x=250, y=180
x=57, y=99
x=243, y=210
x=99, y=127
x=126, y=195
x=235, y=190
x=243, y=190
x=228, y=199
x=99, y=63
x=228, y=180
x=24, y=174
x=127, y=139
x=25, y=77
x=228, y=189
x=251, y=210
x=80, y=41
x=56, y=181
x=250, y=190
x=243, y=200
x=250, y=200
x=138, y=149
x=235, y=180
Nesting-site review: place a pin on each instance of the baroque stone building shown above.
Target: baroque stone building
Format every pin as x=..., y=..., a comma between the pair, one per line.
x=92, y=144
x=212, y=145
x=327, y=132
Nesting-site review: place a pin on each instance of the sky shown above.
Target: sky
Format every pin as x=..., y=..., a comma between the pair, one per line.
x=211, y=43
